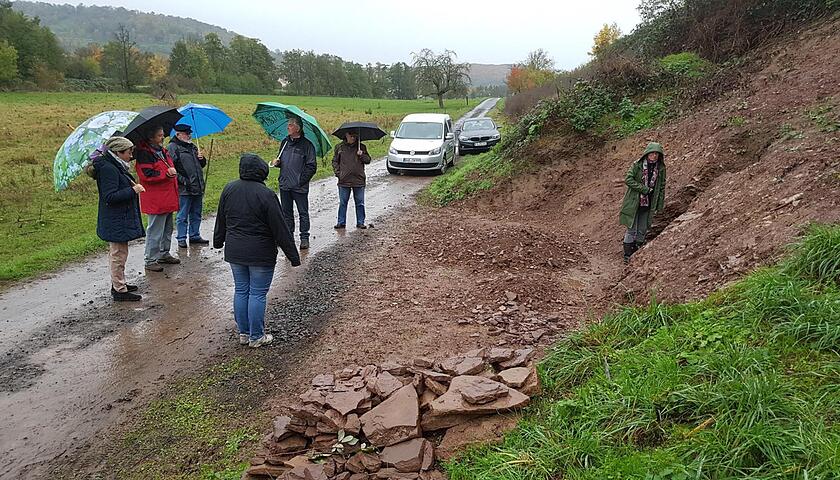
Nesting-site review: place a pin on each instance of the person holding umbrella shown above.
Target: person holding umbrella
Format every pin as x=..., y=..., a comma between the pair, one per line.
x=189, y=162
x=159, y=177
x=297, y=163
x=348, y=163
x=118, y=218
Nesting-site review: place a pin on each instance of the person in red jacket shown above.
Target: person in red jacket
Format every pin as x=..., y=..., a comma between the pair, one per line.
x=160, y=179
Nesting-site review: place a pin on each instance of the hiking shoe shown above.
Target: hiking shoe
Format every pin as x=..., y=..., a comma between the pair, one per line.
x=304, y=243
x=169, y=259
x=243, y=339
x=182, y=244
x=199, y=241
x=154, y=267
x=130, y=288
x=339, y=226
x=361, y=225
x=264, y=340
x=124, y=296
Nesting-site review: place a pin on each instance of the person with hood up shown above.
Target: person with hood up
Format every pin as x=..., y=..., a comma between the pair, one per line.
x=348, y=163
x=189, y=162
x=297, y=164
x=645, y=196
x=250, y=226
x=158, y=176
x=118, y=218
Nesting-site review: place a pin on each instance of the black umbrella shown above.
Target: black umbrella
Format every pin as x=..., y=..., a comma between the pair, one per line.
x=364, y=130
x=157, y=116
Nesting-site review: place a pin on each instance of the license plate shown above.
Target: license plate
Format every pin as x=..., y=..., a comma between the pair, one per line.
x=412, y=160
x=480, y=144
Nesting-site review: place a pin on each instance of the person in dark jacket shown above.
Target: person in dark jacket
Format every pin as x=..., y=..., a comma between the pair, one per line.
x=348, y=163
x=645, y=196
x=297, y=163
x=250, y=226
x=158, y=176
x=118, y=219
x=189, y=162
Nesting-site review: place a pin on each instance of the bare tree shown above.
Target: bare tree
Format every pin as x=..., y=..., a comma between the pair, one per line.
x=123, y=37
x=439, y=74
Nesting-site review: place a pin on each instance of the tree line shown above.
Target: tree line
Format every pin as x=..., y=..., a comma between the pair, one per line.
x=31, y=57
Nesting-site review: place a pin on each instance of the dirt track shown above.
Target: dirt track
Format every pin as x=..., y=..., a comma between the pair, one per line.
x=74, y=365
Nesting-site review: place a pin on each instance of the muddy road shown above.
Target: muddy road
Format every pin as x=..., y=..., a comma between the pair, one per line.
x=73, y=364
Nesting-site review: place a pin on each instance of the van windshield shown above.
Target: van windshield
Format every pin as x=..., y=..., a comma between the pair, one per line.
x=420, y=130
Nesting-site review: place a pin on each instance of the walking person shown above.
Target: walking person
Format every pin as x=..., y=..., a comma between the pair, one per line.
x=296, y=160
x=645, y=196
x=159, y=177
x=250, y=226
x=118, y=218
x=348, y=163
x=189, y=162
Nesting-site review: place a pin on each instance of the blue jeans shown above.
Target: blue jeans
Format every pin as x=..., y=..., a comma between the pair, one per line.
x=189, y=216
x=301, y=201
x=358, y=200
x=251, y=285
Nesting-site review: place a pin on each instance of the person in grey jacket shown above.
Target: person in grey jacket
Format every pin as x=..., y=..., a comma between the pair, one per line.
x=189, y=163
x=296, y=160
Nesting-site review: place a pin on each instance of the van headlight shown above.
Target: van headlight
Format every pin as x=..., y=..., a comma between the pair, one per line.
x=436, y=151
x=392, y=151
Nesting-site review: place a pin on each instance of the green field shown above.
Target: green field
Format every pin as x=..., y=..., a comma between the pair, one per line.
x=41, y=229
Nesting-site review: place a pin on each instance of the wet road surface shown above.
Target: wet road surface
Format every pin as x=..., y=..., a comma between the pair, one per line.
x=72, y=363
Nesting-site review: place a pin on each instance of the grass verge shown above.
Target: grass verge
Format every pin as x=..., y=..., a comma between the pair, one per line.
x=744, y=384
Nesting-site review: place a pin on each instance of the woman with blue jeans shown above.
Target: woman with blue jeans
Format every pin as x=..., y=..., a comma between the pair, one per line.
x=349, y=160
x=250, y=226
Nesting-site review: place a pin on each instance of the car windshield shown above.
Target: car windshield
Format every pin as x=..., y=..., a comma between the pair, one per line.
x=475, y=125
x=420, y=130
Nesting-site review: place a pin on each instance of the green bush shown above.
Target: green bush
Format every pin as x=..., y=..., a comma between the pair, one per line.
x=685, y=65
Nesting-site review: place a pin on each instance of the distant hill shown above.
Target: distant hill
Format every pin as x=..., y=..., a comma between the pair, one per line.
x=77, y=26
x=483, y=74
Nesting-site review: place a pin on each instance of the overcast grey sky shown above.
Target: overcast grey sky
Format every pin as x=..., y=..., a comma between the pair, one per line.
x=364, y=31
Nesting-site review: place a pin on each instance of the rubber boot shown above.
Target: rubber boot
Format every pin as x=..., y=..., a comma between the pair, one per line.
x=629, y=250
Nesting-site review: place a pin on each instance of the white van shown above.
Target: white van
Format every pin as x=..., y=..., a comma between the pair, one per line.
x=423, y=142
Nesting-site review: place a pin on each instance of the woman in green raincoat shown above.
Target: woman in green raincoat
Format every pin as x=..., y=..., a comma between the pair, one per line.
x=645, y=196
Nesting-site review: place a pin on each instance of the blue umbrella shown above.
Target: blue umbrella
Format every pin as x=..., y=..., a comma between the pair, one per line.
x=204, y=119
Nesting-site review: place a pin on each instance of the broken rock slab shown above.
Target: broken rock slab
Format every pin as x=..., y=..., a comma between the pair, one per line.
x=394, y=420
x=462, y=365
x=515, y=377
x=451, y=408
x=479, y=392
x=410, y=456
x=347, y=402
x=520, y=358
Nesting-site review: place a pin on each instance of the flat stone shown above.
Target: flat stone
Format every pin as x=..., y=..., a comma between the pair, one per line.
x=515, y=377
x=346, y=402
x=352, y=424
x=424, y=362
x=496, y=355
x=267, y=470
x=281, y=428
x=478, y=392
x=479, y=430
x=451, y=406
x=426, y=398
x=313, y=396
x=393, y=368
x=462, y=365
x=324, y=380
x=409, y=456
x=394, y=474
x=348, y=373
x=431, y=423
x=395, y=420
x=436, y=376
x=520, y=358
x=309, y=414
x=386, y=384
x=306, y=472
x=532, y=384
x=363, y=462
x=436, y=387
x=294, y=443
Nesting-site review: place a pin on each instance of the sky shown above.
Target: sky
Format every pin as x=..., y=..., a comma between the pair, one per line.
x=365, y=31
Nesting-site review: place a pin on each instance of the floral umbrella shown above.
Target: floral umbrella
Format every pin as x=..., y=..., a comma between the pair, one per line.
x=87, y=137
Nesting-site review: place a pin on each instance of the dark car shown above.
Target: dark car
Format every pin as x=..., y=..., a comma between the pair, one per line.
x=478, y=135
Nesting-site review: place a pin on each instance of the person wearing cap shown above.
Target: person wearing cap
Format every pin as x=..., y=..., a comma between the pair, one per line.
x=296, y=160
x=189, y=162
x=644, y=197
x=118, y=218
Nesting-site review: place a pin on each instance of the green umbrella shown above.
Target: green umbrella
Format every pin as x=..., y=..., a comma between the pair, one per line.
x=85, y=139
x=274, y=117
